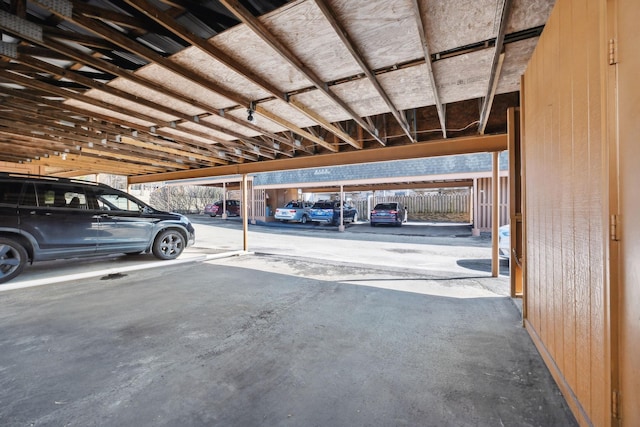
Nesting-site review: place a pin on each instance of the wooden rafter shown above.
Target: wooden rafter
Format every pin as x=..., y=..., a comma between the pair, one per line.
x=352, y=48
x=172, y=25
x=125, y=43
x=257, y=27
x=427, y=57
x=496, y=68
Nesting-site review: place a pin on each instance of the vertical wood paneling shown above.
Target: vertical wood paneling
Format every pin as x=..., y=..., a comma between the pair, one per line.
x=598, y=373
x=583, y=201
x=565, y=104
x=564, y=204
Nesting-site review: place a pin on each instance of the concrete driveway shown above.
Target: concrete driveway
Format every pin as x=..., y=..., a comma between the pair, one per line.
x=273, y=340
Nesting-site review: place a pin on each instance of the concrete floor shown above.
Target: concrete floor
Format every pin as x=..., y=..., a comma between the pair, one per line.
x=269, y=340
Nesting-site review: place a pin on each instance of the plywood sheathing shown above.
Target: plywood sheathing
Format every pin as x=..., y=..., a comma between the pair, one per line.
x=128, y=105
x=385, y=33
x=515, y=64
x=283, y=109
x=450, y=25
x=156, y=96
x=169, y=79
x=464, y=76
x=115, y=113
x=211, y=69
x=528, y=14
x=248, y=49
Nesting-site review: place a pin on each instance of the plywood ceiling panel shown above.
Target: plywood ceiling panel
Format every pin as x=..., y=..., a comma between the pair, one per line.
x=464, y=76
x=165, y=78
x=451, y=24
x=515, y=64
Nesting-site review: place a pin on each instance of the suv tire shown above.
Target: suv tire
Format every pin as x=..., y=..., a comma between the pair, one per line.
x=13, y=258
x=168, y=245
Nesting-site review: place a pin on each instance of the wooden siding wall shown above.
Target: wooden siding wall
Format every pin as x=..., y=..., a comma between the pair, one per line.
x=565, y=210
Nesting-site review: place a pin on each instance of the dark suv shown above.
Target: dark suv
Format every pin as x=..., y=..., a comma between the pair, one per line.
x=45, y=218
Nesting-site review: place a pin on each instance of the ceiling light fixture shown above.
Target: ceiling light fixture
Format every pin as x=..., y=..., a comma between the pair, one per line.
x=250, y=117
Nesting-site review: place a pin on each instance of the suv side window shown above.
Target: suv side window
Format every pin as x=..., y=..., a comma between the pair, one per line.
x=54, y=195
x=114, y=201
x=10, y=192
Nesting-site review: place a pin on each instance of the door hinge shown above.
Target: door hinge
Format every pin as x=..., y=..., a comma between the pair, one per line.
x=612, y=52
x=615, y=404
x=615, y=228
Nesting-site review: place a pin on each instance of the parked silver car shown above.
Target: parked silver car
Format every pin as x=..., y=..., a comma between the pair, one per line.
x=294, y=211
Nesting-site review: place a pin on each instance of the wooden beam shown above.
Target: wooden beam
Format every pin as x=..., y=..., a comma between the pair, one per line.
x=466, y=145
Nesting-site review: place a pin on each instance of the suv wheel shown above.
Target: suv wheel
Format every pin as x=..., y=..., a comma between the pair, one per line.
x=168, y=245
x=303, y=220
x=13, y=258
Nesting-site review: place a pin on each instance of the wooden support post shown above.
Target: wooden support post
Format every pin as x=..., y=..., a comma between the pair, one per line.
x=495, y=215
x=245, y=214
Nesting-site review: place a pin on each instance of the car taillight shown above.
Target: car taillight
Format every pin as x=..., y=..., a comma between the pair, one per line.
x=374, y=212
x=393, y=212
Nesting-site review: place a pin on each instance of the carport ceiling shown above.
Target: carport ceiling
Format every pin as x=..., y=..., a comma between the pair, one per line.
x=164, y=89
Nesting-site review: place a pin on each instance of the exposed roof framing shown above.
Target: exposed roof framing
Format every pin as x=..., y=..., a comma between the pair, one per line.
x=432, y=80
x=350, y=45
x=496, y=67
x=163, y=88
x=259, y=29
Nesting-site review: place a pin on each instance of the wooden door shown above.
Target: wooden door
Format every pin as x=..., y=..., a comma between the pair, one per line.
x=626, y=71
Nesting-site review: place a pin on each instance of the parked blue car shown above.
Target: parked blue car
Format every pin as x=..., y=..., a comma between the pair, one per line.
x=328, y=212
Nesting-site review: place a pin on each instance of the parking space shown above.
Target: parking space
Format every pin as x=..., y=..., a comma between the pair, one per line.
x=419, y=245
x=276, y=340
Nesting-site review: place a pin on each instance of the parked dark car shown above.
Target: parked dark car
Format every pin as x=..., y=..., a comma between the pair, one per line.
x=388, y=213
x=328, y=211
x=214, y=209
x=45, y=218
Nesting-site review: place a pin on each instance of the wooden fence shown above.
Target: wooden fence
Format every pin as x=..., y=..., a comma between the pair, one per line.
x=422, y=205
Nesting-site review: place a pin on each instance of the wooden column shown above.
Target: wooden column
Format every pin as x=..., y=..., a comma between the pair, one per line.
x=495, y=212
